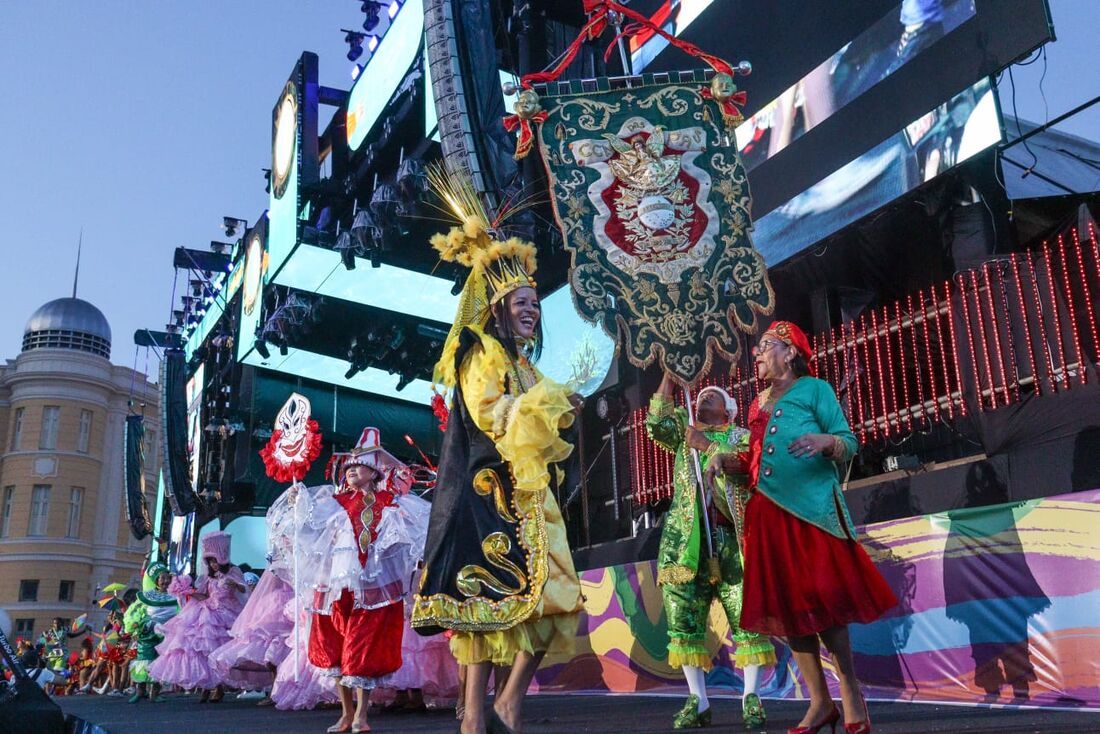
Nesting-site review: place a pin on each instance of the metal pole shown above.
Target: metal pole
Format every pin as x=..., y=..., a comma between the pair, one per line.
x=699, y=474
x=297, y=597
x=584, y=487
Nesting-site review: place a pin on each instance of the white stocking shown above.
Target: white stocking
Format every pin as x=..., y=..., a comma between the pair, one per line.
x=696, y=680
x=752, y=680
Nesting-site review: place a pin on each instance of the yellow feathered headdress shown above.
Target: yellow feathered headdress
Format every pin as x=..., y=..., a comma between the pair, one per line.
x=496, y=267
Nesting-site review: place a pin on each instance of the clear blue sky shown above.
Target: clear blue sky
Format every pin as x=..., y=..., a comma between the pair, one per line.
x=146, y=122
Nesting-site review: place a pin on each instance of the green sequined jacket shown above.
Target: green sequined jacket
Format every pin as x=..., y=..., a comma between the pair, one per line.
x=678, y=558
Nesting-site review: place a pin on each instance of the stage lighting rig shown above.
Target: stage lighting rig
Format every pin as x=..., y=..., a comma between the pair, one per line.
x=219, y=247
x=371, y=13
x=405, y=380
x=261, y=348
x=354, y=40
x=384, y=204
x=231, y=225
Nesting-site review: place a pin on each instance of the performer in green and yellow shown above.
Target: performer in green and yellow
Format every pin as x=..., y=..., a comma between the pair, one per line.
x=497, y=565
x=692, y=572
x=154, y=606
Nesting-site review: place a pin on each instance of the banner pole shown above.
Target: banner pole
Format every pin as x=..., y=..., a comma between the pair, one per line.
x=699, y=475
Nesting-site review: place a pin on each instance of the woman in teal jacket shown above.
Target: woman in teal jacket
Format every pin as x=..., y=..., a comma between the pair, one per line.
x=806, y=576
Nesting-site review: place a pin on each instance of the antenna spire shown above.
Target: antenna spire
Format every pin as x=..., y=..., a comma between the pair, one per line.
x=76, y=275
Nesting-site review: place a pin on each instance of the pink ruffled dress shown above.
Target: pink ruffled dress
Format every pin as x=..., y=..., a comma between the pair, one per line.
x=258, y=637
x=298, y=684
x=201, y=627
x=427, y=664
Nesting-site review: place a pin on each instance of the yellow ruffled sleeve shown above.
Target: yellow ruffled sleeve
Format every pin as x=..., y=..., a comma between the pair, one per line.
x=526, y=427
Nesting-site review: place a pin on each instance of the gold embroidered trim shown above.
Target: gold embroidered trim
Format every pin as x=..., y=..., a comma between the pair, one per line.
x=675, y=575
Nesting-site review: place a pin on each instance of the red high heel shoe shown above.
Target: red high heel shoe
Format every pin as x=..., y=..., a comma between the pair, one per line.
x=830, y=721
x=860, y=727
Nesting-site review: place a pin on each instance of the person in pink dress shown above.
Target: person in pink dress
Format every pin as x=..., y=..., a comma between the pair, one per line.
x=258, y=644
x=208, y=609
x=300, y=685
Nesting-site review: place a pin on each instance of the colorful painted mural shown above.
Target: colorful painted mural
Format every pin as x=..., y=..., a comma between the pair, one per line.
x=997, y=604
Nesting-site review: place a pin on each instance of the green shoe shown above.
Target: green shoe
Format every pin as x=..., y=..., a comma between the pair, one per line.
x=690, y=716
x=752, y=712
x=134, y=698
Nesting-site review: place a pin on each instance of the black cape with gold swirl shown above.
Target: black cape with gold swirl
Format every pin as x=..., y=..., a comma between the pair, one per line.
x=485, y=561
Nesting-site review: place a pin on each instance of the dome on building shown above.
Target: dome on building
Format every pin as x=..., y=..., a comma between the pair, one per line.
x=68, y=323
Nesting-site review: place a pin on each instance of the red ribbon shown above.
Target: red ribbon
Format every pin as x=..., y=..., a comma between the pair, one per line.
x=730, y=113
x=526, y=132
x=598, y=11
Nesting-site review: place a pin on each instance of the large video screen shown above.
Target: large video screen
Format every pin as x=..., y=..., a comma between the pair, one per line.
x=948, y=135
x=897, y=38
x=835, y=86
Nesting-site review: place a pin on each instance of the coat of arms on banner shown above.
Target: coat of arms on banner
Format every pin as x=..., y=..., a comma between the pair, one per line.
x=653, y=201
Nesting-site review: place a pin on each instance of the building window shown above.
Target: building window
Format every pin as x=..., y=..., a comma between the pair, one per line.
x=5, y=511
x=40, y=509
x=85, y=431
x=76, y=500
x=28, y=590
x=17, y=430
x=24, y=627
x=65, y=592
x=51, y=418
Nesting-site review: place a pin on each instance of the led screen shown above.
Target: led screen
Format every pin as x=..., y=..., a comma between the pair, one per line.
x=294, y=159
x=179, y=543
x=385, y=71
x=896, y=39
x=194, y=422
x=673, y=16
x=320, y=367
x=574, y=351
x=962, y=127
x=319, y=270
x=832, y=81
x=253, y=269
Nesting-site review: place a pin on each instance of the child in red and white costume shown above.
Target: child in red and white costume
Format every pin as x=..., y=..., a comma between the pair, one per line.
x=357, y=546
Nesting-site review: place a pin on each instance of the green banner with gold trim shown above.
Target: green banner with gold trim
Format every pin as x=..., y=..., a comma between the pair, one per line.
x=653, y=201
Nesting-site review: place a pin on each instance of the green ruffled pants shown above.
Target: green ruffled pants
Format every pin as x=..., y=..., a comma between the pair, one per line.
x=688, y=605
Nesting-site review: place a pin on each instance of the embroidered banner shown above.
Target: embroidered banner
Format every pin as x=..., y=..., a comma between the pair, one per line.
x=653, y=201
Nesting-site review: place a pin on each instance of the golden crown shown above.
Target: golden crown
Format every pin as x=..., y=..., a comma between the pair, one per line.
x=497, y=267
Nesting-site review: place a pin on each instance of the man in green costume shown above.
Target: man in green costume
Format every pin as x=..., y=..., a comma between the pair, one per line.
x=154, y=606
x=689, y=575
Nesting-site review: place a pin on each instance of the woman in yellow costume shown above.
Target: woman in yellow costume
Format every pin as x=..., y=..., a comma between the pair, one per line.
x=497, y=566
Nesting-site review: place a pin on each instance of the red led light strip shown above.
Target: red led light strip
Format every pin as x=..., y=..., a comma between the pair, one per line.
x=902, y=366
x=928, y=354
x=954, y=352
x=1036, y=380
x=1074, y=330
x=1003, y=387
x=1043, y=342
x=1088, y=293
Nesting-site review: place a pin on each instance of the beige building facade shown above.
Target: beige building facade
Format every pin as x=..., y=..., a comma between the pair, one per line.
x=64, y=533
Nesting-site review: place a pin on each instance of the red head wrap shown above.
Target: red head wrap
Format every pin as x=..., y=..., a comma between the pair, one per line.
x=790, y=334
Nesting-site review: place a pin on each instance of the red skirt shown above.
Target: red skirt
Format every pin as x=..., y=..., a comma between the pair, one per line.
x=357, y=643
x=801, y=580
